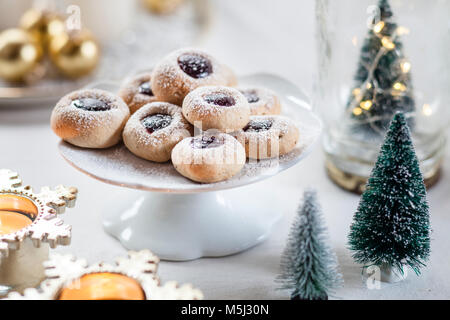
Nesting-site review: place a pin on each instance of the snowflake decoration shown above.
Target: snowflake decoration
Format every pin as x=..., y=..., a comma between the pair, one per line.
x=46, y=227
x=141, y=266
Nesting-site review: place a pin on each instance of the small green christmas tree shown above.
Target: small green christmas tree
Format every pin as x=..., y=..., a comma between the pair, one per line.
x=383, y=82
x=391, y=226
x=309, y=265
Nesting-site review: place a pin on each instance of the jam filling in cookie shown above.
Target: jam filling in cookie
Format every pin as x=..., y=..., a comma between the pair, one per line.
x=91, y=104
x=258, y=126
x=206, y=142
x=195, y=65
x=220, y=99
x=251, y=96
x=146, y=89
x=156, y=122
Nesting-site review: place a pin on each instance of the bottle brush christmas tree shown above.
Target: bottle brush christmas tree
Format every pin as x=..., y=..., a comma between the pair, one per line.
x=391, y=226
x=309, y=265
x=383, y=82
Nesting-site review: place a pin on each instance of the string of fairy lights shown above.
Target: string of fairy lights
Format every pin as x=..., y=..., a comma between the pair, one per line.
x=360, y=105
x=399, y=88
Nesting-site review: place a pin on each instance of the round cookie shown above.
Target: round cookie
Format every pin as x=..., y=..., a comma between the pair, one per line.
x=232, y=80
x=90, y=118
x=216, y=107
x=268, y=136
x=153, y=131
x=209, y=158
x=184, y=70
x=137, y=92
x=262, y=101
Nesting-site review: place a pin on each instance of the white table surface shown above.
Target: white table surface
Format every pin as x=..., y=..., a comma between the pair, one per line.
x=252, y=36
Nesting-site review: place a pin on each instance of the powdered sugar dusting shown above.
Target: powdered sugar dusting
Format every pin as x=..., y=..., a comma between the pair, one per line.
x=195, y=100
x=178, y=125
x=118, y=166
x=268, y=102
x=86, y=120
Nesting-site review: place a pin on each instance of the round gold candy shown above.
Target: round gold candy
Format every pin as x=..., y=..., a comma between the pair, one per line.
x=162, y=6
x=75, y=53
x=19, y=54
x=42, y=24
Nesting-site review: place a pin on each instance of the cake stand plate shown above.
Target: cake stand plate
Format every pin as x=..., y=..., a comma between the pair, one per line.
x=183, y=220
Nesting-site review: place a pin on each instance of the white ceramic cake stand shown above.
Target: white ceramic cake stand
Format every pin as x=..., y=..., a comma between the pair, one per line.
x=179, y=219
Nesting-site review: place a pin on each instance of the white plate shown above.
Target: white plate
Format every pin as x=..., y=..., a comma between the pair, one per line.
x=120, y=167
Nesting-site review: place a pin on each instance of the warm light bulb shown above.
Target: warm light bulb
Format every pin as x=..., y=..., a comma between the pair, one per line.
x=427, y=110
x=366, y=105
x=356, y=92
x=368, y=85
x=406, y=66
x=357, y=111
x=378, y=27
x=387, y=43
x=399, y=86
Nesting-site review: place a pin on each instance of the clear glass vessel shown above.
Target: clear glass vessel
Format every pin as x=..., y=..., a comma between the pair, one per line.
x=377, y=57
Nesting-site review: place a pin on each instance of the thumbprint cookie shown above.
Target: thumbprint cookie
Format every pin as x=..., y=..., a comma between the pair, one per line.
x=268, y=136
x=153, y=131
x=216, y=107
x=184, y=70
x=90, y=118
x=262, y=101
x=137, y=92
x=209, y=157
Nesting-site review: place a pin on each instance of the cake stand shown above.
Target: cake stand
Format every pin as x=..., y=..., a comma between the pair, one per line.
x=178, y=219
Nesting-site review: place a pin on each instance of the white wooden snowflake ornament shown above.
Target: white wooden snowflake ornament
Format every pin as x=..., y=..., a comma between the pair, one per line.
x=28, y=222
x=66, y=272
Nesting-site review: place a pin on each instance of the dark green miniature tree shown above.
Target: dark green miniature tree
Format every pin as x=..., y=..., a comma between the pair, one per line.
x=391, y=225
x=309, y=265
x=383, y=82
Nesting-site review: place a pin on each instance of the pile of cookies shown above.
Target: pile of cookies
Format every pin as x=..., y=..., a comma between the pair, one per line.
x=157, y=113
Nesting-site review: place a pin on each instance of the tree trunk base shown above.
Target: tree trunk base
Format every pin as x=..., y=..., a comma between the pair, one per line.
x=385, y=273
x=357, y=184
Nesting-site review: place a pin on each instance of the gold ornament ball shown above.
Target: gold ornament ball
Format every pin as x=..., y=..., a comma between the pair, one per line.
x=162, y=6
x=75, y=53
x=19, y=54
x=42, y=24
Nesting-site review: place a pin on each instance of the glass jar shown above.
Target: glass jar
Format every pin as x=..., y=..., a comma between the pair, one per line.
x=377, y=57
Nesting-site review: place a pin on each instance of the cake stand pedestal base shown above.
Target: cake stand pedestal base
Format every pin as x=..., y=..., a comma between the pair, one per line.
x=182, y=227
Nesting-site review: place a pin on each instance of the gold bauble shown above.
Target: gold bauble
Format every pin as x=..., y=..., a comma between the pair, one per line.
x=75, y=53
x=42, y=24
x=19, y=54
x=162, y=6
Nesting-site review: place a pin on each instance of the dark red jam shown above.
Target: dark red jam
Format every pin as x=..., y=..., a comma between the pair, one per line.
x=251, y=96
x=195, y=65
x=206, y=142
x=145, y=88
x=258, y=125
x=91, y=104
x=220, y=99
x=156, y=122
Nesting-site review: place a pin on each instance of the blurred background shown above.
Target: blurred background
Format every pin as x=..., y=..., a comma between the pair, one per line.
x=149, y=29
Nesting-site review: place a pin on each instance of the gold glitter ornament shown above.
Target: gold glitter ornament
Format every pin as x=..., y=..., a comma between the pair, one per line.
x=19, y=54
x=42, y=24
x=75, y=53
x=162, y=6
